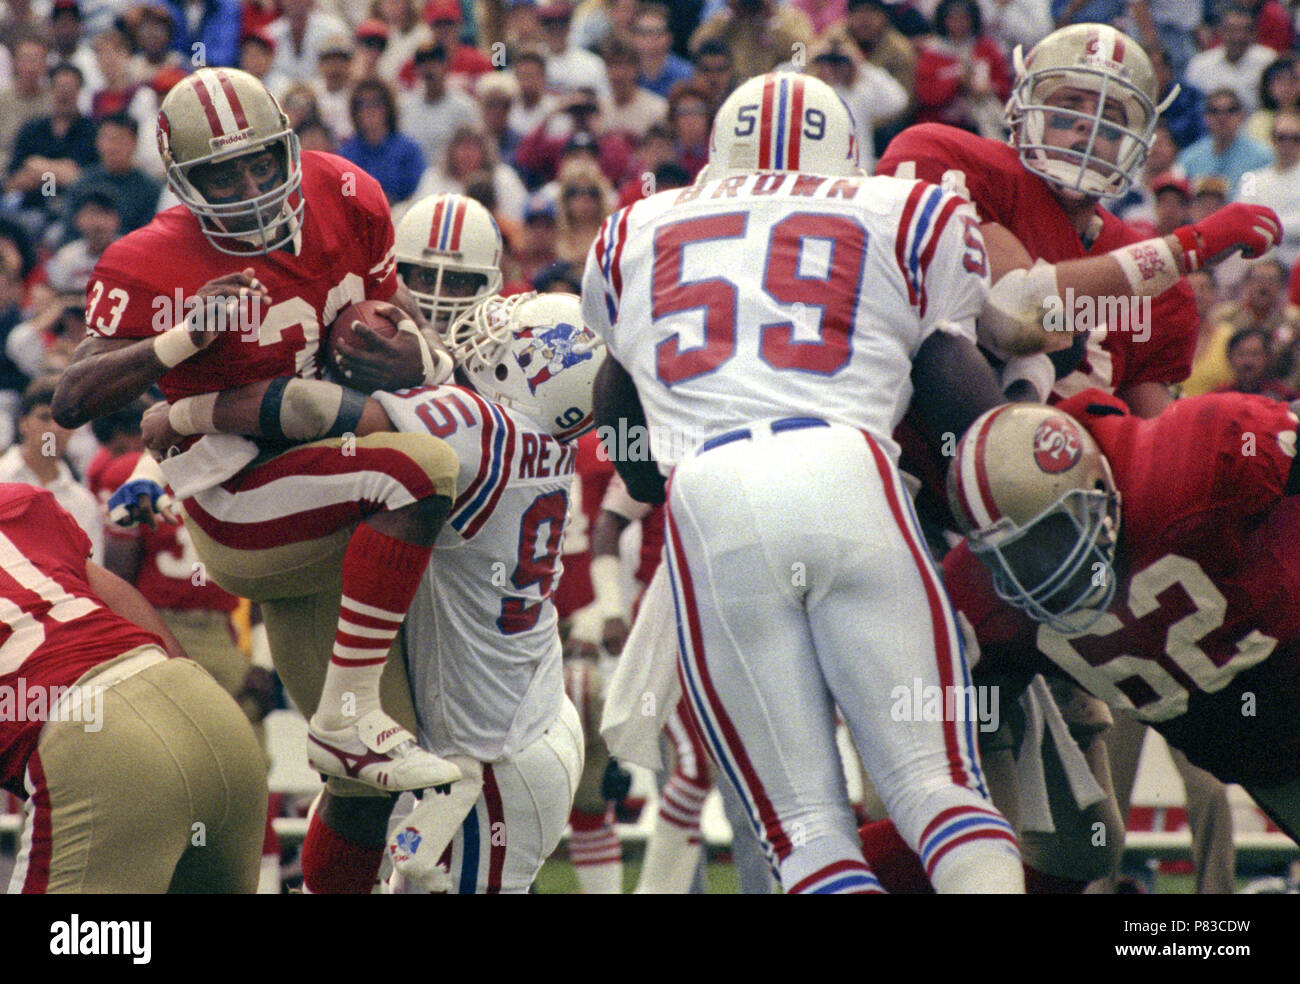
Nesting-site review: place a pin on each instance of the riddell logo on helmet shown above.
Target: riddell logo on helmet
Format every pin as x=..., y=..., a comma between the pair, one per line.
x=1057, y=446
x=218, y=143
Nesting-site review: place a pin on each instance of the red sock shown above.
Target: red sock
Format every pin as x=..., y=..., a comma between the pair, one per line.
x=380, y=577
x=334, y=865
x=270, y=840
x=895, y=864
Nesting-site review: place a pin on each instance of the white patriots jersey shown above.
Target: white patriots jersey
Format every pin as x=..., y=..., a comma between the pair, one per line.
x=482, y=635
x=776, y=294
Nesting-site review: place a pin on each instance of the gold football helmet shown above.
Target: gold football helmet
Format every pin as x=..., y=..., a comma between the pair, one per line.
x=1037, y=500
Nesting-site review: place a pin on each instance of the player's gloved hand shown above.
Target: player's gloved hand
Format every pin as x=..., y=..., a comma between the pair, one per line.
x=141, y=500
x=381, y=363
x=616, y=783
x=1254, y=229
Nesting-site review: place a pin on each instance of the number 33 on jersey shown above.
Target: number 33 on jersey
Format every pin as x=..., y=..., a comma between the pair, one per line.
x=826, y=303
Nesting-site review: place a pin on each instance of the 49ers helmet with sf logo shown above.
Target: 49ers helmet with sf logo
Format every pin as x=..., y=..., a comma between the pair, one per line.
x=783, y=121
x=217, y=114
x=1100, y=59
x=534, y=354
x=1037, y=500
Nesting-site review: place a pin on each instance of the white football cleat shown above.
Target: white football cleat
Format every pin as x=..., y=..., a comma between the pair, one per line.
x=377, y=751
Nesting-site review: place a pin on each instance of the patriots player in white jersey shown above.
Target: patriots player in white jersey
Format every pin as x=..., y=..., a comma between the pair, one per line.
x=770, y=325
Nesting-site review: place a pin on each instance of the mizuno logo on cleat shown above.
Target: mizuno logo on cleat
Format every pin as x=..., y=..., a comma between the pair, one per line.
x=383, y=736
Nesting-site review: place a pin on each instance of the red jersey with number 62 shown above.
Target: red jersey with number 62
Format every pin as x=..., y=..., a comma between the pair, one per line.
x=778, y=294
x=344, y=254
x=1203, y=638
x=1003, y=190
x=53, y=628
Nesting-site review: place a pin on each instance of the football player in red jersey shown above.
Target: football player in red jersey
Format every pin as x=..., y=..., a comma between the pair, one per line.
x=1184, y=614
x=1178, y=608
x=139, y=772
x=1081, y=116
x=273, y=243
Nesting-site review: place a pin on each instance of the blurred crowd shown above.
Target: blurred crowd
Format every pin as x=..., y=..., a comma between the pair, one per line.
x=554, y=114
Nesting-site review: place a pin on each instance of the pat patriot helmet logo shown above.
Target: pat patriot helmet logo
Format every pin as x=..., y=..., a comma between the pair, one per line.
x=550, y=352
x=1058, y=445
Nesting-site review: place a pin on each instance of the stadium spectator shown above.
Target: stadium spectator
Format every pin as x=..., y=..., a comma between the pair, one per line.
x=38, y=459
x=98, y=224
x=598, y=22
x=299, y=104
x=574, y=125
x=1224, y=151
x=134, y=193
x=630, y=108
x=113, y=57
x=20, y=20
x=1170, y=26
x=1185, y=116
x=534, y=104
x=1139, y=202
x=207, y=31
x=1261, y=303
x=372, y=42
x=568, y=67
x=12, y=379
x=655, y=149
x=463, y=60
x=152, y=26
x=660, y=68
x=470, y=153
x=433, y=113
x=559, y=277
x=1086, y=11
x=1279, y=89
x=298, y=35
x=28, y=97
x=51, y=151
x=1210, y=368
x=390, y=157
x=867, y=24
x=313, y=134
x=691, y=119
x=715, y=72
x=1273, y=23
x=257, y=58
x=497, y=94
x=1278, y=185
x=1237, y=63
x=67, y=44
x=406, y=35
x=537, y=242
x=1169, y=206
x=1249, y=355
x=1209, y=194
x=334, y=85
x=872, y=95
x=761, y=34
x=961, y=74
x=1017, y=22
x=585, y=199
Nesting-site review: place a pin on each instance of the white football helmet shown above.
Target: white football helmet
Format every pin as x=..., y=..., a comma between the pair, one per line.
x=1040, y=508
x=783, y=121
x=532, y=353
x=1099, y=59
x=217, y=114
x=445, y=236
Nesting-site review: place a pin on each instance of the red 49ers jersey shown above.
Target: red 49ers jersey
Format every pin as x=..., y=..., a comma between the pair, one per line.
x=1203, y=638
x=595, y=471
x=1004, y=191
x=345, y=254
x=52, y=626
x=167, y=572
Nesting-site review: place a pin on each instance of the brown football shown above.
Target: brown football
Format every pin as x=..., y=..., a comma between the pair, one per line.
x=363, y=311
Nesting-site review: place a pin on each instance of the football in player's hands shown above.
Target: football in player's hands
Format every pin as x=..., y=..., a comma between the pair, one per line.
x=366, y=314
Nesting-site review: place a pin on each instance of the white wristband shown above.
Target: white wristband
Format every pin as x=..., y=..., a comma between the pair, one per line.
x=174, y=346
x=436, y=364
x=193, y=414
x=1037, y=370
x=607, y=585
x=1149, y=266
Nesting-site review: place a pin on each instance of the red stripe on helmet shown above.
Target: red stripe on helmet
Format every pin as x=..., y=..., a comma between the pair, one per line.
x=209, y=109
x=232, y=97
x=981, y=470
x=436, y=224
x=457, y=222
x=765, y=126
x=796, y=125
x=1118, y=52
